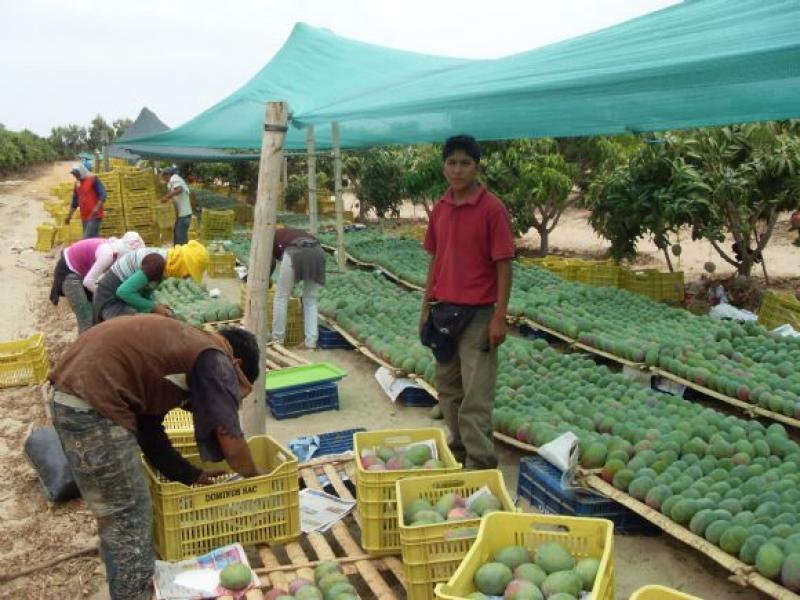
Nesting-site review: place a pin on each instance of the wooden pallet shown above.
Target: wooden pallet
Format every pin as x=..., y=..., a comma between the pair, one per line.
x=751, y=410
x=534, y=325
x=361, y=347
x=743, y=574
x=381, y=578
x=279, y=357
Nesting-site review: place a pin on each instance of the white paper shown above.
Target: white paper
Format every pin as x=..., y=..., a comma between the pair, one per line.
x=786, y=330
x=726, y=311
x=562, y=452
x=429, y=443
x=484, y=491
x=393, y=386
x=319, y=511
x=197, y=578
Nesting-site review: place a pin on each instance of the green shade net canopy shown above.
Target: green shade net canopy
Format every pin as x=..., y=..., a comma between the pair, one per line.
x=697, y=63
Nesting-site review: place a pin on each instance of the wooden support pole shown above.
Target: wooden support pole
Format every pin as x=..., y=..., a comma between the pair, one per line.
x=96, y=165
x=254, y=411
x=106, y=158
x=312, y=181
x=341, y=257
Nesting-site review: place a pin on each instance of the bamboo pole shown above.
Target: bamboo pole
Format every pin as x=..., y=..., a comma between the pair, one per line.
x=254, y=412
x=312, y=181
x=341, y=257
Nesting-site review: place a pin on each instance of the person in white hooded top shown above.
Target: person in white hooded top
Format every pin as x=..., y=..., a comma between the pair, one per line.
x=80, y=267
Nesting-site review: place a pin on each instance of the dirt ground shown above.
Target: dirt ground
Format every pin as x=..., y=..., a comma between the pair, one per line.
x=35, y=531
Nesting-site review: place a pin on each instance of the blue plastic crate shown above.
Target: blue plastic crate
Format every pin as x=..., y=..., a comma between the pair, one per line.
x=302, y=400
x=416, y=396
x=332, y=340
x=540, y=484
x=336, y=442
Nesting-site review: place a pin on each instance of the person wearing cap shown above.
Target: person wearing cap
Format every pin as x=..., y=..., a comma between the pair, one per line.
x=302, y=259
x=81, y=265
x=88, y=196
x=127, y=286
x=109, y=394
x=178, y=191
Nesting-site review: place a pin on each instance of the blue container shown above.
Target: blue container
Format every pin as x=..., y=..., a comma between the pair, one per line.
x=332, y=340
x=336, y=442
x=415, y=396
x=540, y=484
x=299, y=400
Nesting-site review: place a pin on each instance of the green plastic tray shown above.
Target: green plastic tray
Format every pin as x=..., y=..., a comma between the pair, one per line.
x=303, y=375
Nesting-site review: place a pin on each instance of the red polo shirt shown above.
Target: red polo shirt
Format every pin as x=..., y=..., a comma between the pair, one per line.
x=466, y=241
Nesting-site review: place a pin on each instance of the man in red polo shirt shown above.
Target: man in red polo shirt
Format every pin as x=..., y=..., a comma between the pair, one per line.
x=471, y=245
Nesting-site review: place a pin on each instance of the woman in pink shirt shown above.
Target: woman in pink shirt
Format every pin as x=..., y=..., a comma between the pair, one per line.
x=81, y=265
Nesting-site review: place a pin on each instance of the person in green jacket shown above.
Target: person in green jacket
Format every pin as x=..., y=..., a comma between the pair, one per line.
x=127, y=286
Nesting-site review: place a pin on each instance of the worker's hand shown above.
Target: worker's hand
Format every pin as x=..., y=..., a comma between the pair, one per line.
x=163, y=199
x=67, y=219
x=163, y=310
x=497, y=330
x=207, y=477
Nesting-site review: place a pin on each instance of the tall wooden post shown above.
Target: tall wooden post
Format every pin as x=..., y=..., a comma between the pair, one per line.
x=254, y=410
x=337, y=190
x=96, y=164
x=106, y=158
x=312, y=181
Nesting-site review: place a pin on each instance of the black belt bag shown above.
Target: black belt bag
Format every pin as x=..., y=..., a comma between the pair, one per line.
x=446, y=322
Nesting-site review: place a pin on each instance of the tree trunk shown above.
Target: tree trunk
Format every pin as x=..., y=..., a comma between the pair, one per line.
x=429, y=211
x=665, y=250
x=544, y=243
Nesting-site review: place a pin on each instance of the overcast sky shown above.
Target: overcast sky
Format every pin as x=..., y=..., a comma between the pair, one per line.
x=63, y=62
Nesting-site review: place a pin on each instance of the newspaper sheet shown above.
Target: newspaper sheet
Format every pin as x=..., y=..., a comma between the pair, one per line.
x=197, y=578
x=319, y=511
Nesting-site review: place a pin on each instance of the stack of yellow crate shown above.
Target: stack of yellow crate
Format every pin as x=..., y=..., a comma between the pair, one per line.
x=138, y=204
x=216, y=224
x=165, y=217
x=113, y=223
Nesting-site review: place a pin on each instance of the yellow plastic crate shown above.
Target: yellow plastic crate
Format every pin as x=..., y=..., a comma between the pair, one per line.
x=221, y=264
x=659, y=592
x=178, y=418
x=179, y=426
x=192, y=520
x=605, y=275
x=294, y=316
x=24, y=362
x=432, y=553
x=779, y=309
x=165, y=215
x=45, y=237
x=376, y=492
x=583, y=537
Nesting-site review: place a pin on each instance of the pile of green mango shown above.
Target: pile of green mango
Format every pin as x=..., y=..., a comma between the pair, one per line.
x=191, y=302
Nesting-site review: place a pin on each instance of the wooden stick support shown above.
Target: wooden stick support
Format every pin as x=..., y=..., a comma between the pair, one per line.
x=337, y=189
x=253, y=409
x=313, y=206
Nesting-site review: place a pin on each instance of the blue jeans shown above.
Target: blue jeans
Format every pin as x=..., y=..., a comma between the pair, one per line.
x=106, y=462
x=91, y=228
x=180, y=233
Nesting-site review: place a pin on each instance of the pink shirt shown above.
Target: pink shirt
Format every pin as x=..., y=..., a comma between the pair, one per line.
x=90, y=258
x=466, y=242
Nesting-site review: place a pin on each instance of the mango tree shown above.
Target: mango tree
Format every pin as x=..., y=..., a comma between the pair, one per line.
x=423, y=180
x=728, y=181
x=654, y=195
x=753, y=174
x=535, y=182
x=379, y=186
